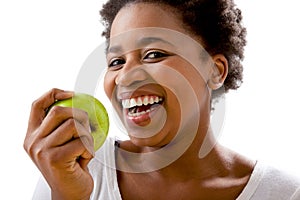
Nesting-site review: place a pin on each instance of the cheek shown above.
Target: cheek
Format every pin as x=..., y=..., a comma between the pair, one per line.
x=190, y=87
x=173, y=109
x=109, y=84
x=185, y=76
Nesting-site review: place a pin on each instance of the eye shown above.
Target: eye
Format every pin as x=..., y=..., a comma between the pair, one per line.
x=116, y=62
x=155, y=55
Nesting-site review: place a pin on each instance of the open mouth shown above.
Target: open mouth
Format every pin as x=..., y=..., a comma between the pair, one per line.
x=141, y=105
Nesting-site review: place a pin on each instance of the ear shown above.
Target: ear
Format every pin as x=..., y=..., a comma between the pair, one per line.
x=218, y=72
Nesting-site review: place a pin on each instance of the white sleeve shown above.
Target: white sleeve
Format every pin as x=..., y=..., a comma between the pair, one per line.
x=42, y=190
x=277, y=184
x=269, y=183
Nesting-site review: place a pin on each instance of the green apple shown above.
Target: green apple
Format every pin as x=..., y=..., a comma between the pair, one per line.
x=98, y=117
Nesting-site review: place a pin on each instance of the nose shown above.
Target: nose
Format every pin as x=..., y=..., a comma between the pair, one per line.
x=130, y=74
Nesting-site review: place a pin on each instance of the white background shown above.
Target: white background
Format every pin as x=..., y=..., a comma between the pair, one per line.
x=44, y=43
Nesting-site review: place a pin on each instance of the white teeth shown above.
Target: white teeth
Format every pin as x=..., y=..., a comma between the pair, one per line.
x=140, y=113
x=151, y=101
x=132, y=102
x=126, y=103
x=139, y=101
x=145, y=100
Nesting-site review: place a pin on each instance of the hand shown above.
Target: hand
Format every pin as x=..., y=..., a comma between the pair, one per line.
x=60, y=144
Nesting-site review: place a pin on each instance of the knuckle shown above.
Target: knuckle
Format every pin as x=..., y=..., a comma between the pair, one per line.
x=79, y=113
x=53, y=91
x=34, y=150
x=85, y=116
x=40, y=153
x=55, y=111
x=72, y=126
x=35, y=147
x=25, y=146
x=82, y=116
x=36, y=103
x=29, y=145
x=70, y=123
x=87, y=138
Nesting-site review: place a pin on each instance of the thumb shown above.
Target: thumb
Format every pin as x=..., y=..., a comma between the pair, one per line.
x=84, y=160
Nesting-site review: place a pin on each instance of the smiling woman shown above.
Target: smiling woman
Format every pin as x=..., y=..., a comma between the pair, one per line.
x=166, y=61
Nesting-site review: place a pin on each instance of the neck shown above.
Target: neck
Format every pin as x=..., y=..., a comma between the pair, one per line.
x=204, y=158
x=187, y=156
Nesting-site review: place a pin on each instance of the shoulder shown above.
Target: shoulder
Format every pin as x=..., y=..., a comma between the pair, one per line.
x=279, y=183
x=268, y=182
x=281, y=176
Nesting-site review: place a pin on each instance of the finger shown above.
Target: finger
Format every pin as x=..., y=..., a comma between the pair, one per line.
x=39, y=106
x=58, y=115
x=69, y=130
x=67, y=155
x=84, y=160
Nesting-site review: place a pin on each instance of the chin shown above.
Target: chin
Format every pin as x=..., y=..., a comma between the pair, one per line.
x=155, y=142
x=145, y=142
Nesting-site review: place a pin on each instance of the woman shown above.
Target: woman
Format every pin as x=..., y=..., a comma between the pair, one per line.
x=167, y=62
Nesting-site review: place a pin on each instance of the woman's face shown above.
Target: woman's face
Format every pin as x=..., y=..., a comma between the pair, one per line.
x=156, y=77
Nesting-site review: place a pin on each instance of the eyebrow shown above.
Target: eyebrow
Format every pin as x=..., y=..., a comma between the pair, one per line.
x=149, y=40
x=141, y=42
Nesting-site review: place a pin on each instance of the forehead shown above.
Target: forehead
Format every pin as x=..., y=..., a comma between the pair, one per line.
x=141, y=15
x=132, y=40
x=153, y=37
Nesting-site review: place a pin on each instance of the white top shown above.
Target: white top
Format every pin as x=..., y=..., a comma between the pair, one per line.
x=266, y=183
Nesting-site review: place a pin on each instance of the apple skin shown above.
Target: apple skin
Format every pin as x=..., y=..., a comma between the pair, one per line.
x=98, y=117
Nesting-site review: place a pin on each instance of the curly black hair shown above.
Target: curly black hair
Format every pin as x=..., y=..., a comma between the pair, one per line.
x=217, y=22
